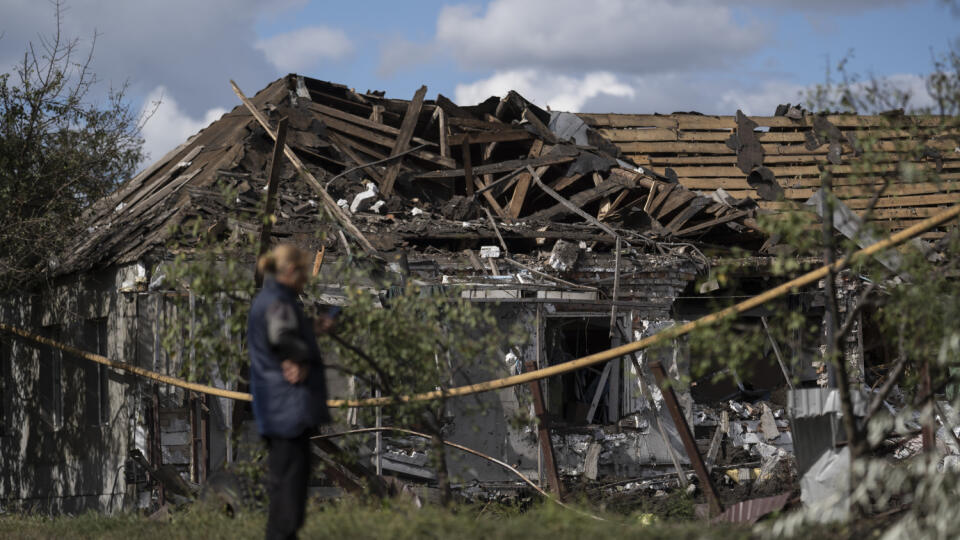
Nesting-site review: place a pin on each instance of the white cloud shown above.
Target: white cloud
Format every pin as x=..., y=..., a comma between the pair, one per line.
x=761, y=101
x=304, y=48
x=191, y=48
x=559, y=92
x=399, y=54
x=169, y=125
x=627, y=36
x=821, y=6
x=764, y=100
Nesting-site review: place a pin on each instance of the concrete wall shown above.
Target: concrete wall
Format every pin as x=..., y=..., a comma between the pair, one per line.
x=59, y=451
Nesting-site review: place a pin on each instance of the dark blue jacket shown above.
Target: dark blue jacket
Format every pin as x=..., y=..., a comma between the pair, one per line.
x=284, y=410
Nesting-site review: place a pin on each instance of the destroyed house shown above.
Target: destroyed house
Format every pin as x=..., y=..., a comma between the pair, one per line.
x=589, y=229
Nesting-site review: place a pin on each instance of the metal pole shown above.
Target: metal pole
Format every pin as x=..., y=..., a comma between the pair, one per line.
x=670, y=398
x=546, y=445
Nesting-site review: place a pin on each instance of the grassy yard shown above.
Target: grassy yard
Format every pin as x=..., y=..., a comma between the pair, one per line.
x=353, y=519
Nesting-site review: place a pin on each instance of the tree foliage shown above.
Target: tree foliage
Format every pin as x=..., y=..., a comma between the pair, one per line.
x=396, y=335
x=60, y=150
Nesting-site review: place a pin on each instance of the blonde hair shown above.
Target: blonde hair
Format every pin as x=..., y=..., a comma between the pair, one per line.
x=282, y=257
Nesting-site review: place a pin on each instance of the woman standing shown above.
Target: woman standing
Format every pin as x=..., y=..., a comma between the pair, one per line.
x=287, y=383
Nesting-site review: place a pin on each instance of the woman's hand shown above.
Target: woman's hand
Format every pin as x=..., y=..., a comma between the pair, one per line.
x=293, y=372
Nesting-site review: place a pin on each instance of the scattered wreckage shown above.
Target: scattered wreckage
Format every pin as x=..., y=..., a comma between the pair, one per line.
x=590, y=229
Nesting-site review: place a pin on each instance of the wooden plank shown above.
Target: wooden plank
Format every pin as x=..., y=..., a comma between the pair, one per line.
x=577, y=202
x=523, y=183
x=442, y=126
x=403, y=139
x=650, y=196
x=328, y=201
x=686, y=214
x=383, y=140
x=678, y=197
x=503, y=166
x=768, y=148
x=273, y=181
x=673, y=160
x=690, y=121
x=574, y=206
x=490, y=136
x=346, y=148
x=376, y=125
x=712, y=223
x=562, y=183
x=663, y=191
x=615, y=204
x=619, y=135
x=859, y=192
x=467, y=166
x=162, y=180
x=639, y=134
x=542, y=130
x=948, y=181
x=629, y=120
x=906, y=201
x=543, y=434
x=785, y=171
x=474, y=123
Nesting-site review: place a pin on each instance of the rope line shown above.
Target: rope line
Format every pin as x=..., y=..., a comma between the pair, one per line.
x=550, y=371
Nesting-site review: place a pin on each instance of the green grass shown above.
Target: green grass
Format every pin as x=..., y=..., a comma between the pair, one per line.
x=354, y=519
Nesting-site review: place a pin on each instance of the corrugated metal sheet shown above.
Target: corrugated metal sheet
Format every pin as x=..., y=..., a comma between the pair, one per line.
x=752, y=510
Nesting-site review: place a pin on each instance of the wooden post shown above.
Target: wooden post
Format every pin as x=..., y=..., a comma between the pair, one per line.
x=467, y=166
x=272, y=183
x=543, y=431
x=328, y=201
x=444, y=147
x=616, y=288
x=673, y=406
x=407, y=125
x=776, y=351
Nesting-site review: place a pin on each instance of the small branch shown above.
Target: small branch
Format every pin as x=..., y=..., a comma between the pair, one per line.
x=384, y=385
x=884, y=390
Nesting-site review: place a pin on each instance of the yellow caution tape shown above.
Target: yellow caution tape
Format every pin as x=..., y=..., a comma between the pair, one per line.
x=530, y=376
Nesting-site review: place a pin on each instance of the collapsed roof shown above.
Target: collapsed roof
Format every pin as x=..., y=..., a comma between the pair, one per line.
x=443, y=172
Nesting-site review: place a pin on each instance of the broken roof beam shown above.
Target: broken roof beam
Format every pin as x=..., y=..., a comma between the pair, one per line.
x=523, y=182
x=490, y=136
x=273, y=180
x=326, y=111
x=328, y=201
x=381, y=139
x=573, y=207
x=403, y=139
x=503, y=166
x=579, y=200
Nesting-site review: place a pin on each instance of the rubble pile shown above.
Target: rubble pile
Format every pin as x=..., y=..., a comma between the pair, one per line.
x=411, y=175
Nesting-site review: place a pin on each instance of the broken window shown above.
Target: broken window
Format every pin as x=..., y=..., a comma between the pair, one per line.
x=51, y=383
x=582, y=396
x=96, y=398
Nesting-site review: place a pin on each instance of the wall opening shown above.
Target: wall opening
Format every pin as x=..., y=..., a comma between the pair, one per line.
x=580, y=397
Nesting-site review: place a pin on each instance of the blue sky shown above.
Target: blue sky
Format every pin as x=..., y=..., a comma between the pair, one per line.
x=598, y=56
